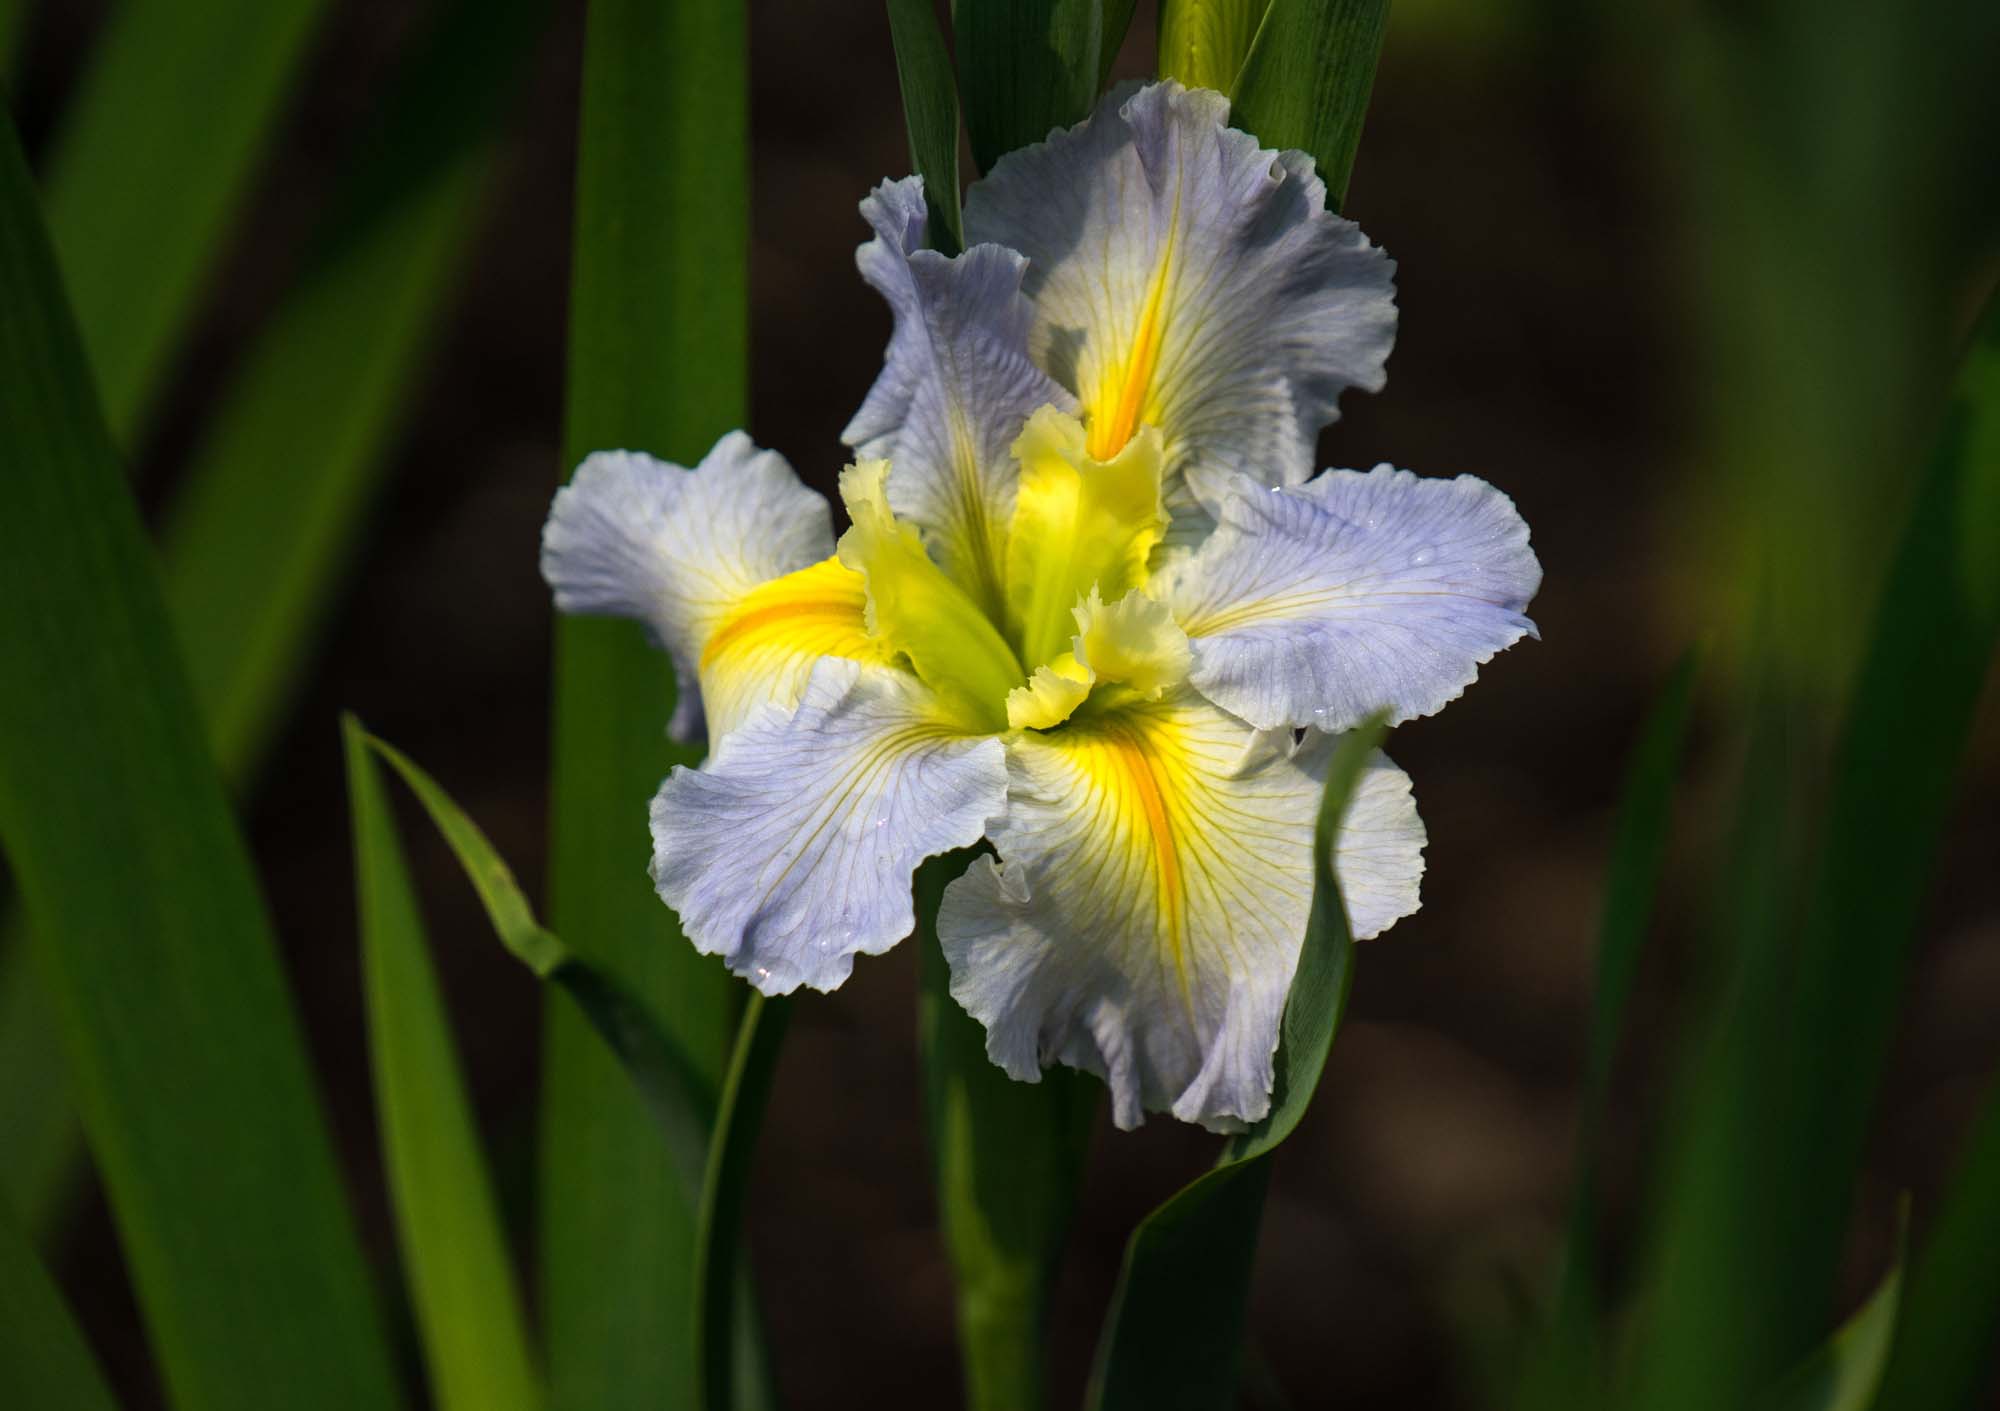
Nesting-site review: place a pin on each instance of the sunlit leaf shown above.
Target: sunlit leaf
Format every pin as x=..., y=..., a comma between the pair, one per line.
x=1203, y=42
x=461, y=1278
x=1307, y=79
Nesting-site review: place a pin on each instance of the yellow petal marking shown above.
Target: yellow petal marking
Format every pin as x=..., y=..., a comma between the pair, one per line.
x=766, y=642
x=1128, y=765
x=1122, y=392
x=817, y=610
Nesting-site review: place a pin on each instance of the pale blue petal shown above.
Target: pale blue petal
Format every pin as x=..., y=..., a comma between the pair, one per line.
x=1144, y=918
x=1265, y=306
x=791, y=850
x=631, y=536
x=1378, y=854
x=955, y=389
x=1317, y=605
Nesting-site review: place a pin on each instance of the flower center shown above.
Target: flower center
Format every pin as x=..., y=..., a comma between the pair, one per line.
x=1082, y=531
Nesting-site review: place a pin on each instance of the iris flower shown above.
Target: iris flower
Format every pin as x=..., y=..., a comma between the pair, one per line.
x=1093, y=608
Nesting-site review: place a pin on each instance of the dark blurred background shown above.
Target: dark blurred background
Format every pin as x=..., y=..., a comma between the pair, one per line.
x=1530, y=169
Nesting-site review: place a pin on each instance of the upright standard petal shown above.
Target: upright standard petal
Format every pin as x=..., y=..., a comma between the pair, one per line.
x=1317, y=605
x=1184, y=277
x=916, y=610
x=716, y=562
x=791, y=850
x=1145, y=916
x=955, y=387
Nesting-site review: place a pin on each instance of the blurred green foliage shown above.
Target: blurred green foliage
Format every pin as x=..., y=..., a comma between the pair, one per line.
x=1834, y=163
x=178, y=1030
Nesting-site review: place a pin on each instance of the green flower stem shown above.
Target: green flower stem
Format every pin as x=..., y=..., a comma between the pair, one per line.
x=1007, y=1158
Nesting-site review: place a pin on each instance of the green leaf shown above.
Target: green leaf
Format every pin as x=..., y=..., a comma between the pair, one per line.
x=1943, y=1357
x=709, y=1170
x=1117, y=19
x=1844, y=1372
x=156, y=149
x=1006, y=1160
x=1306, y=82
x=1781, y=1107
x=39, y=1139
x=677, y=1094
x=44, y=1361
x=720, y=1286
x=1203, y=42
x=251, y=559
x=930, y=113
x=146, y=918
x=658, y=281
x=1024, y=67
x=447, y=1223
x=1174, y=1335
x=1561, y=1368
x=13, y=36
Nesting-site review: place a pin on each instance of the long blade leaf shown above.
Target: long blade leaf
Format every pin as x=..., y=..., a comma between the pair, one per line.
x=39, y=1137
x=1945, y=1349
x=1024, y=67
x=930, y=113
x=658, y=361
x=251, y=558
x=44, y=1361
x=676, y=1092
x=145, y=913
x=447, y=1221
x=157, y=146
x=1844, y=1372
x=1174, y=1334
x=1560, y=1368
x=1307, y=79
x=1203, y=42
x=1774, y=1143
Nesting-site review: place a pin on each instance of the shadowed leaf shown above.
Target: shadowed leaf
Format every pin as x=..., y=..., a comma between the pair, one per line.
x=145, y=915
